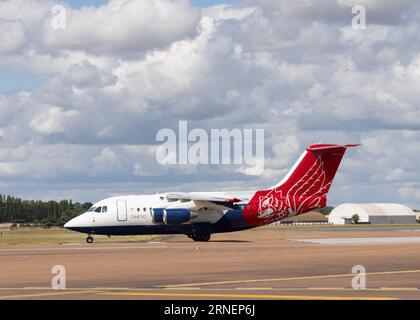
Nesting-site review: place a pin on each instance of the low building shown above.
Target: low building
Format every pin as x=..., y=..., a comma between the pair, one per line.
x=374, y=213
x=309, y=217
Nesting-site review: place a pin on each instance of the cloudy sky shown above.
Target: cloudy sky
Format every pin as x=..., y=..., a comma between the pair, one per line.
x=80, y=107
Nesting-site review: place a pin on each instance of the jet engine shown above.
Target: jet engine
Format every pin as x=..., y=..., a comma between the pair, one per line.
x=176, y=216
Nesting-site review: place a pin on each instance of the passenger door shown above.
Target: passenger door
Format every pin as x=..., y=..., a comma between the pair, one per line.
x=121, y=210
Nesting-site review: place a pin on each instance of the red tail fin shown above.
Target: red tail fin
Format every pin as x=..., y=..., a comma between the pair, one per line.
x=303, y=189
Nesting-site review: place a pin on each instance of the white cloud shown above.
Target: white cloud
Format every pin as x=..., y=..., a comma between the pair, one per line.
x=12, y=36
x=285, y=151
x=86, y=74
x=123, y=25
x=52, y=121
x=13, y=154
x=411, y=193
x=106, y=162
x=12, y=169
x=378, y=4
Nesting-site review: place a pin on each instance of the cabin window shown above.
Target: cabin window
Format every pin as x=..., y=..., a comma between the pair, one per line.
x=92, y=209
x=138, y=209
x=144, y=209
x=104, y=209
x=98, y=209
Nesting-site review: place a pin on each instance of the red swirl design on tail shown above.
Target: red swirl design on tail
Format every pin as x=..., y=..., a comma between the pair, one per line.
x=304, y=189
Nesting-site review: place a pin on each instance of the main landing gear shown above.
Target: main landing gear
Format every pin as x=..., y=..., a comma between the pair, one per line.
x=89, y=239
x=199, y=237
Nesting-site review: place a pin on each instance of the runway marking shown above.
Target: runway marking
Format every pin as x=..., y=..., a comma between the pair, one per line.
x=46, y=294
x=87, y=289
x=285, y=279
x=180, y=288
x=377, y=240
x=326, y=289
x=343, y=289
x=303, y=289
x=397, y=289
x=95, y=289
x=256, y=289
x=81, y=248
x=245, y=296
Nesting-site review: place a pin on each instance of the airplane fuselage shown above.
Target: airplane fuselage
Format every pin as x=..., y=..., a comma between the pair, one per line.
x=142, y=214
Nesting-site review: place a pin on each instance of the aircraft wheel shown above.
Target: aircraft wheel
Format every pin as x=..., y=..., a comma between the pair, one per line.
x=201, y=237
x=89, y=239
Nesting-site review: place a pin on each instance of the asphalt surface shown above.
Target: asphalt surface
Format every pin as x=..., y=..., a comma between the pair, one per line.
x=255, y=264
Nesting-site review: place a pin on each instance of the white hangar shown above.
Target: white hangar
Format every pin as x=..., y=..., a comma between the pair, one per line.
x=374, y=213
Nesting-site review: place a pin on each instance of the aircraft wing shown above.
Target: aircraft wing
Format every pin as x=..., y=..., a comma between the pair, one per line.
x=208, y=207
x=197, y=201
x=187, y=196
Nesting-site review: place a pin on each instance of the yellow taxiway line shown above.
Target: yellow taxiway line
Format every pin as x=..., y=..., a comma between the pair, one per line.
x=243, y=296
x=132, y=292
x=46, y=294
x=285, y=279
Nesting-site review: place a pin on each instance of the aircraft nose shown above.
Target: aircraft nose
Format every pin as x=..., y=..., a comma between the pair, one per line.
x=71, y=223
x=68, y=224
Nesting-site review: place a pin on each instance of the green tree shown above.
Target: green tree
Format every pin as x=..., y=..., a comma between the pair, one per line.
x=355, y=218
x=16, y=210
x=326, y=210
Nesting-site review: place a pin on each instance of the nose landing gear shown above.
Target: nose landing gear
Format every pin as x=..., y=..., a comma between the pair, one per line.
x=89, y=239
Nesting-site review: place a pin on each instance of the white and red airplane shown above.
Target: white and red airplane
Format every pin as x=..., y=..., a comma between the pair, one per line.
x=199, y=214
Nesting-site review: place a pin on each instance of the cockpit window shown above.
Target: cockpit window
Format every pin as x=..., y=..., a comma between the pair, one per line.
x=104, y=209
x=91, y=209
x=98, y=209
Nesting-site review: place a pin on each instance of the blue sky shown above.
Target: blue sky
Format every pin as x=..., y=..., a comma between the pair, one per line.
x=12, y=81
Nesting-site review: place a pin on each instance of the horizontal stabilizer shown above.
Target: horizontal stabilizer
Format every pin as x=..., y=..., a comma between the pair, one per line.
x=330, y=146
